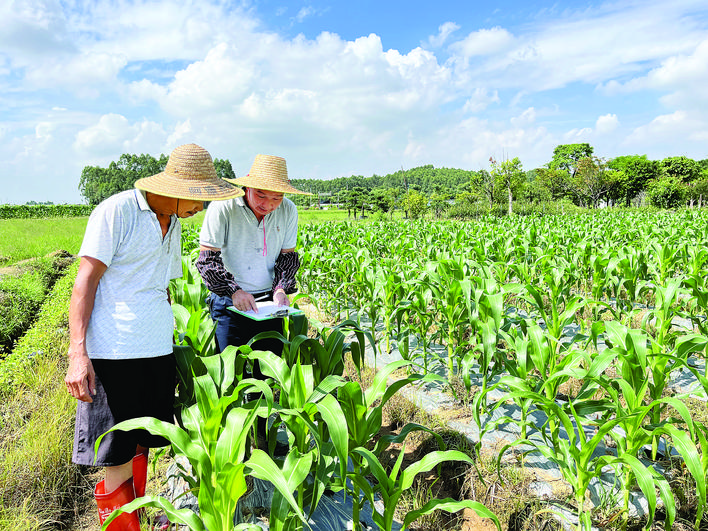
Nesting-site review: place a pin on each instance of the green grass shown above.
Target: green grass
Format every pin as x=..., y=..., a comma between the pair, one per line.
x=38, y=483
x=21, y=239
x=20, y=298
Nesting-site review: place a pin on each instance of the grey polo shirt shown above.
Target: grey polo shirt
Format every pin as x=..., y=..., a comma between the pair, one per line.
x=249, y=248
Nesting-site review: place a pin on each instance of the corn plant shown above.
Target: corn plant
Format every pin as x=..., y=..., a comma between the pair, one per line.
x=213, y=438
x=633, y=402
x=389, y=291
x=422, y=320
x=629, y=279
x=390, y=486
x=451, y=289
x=556, y=306
x=310, y=415
x=189, y=290
x=363, y=413
x=574, y=453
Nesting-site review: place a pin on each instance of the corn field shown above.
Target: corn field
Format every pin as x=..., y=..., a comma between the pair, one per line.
x=616, y=302
x=516, y=308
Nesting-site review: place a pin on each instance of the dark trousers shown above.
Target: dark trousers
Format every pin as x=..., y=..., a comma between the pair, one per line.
x=235, y=329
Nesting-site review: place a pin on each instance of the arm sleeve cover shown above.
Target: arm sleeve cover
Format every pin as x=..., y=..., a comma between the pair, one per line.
x=286, y=266
x=217, y=279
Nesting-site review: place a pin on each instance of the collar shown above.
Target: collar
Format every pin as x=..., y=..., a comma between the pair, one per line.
x=142, y=200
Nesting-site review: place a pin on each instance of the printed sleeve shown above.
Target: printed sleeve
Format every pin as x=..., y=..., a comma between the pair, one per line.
x=286, y=267
x=216, y=278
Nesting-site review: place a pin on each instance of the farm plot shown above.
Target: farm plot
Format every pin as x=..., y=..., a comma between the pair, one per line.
x=568, y=329
x=579, y=322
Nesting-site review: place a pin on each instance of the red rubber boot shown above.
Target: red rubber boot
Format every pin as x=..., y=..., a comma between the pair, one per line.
x=140, y=468
x=109, y=502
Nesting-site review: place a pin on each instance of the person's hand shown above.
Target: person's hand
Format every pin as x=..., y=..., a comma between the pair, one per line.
x=244, y=301
x=80, y=377
x=280, y=298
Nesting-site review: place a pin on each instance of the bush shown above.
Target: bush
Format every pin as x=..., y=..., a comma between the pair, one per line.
x=667, y=192
x=468, y=208
x=44, y=211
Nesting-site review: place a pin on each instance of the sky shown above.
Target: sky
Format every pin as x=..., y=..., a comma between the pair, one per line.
x=343, y=88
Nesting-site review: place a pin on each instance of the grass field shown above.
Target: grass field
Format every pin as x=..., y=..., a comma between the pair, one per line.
x=28, y=238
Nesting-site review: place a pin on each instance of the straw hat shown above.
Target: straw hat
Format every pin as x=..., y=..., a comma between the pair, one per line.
x=268, y=173
x=189, y=174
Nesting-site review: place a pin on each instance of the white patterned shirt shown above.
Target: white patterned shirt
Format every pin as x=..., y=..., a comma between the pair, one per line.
x=131, y=316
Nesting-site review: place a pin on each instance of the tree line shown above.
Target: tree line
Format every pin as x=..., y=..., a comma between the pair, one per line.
x=574, y=175
x=97, y=183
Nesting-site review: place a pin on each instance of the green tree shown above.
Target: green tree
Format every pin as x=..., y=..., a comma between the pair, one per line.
x=415, y=204
x=224, y=169
x=685, y=169
x=700, y=190
x=567, y=156
x=554, y=182
x=383, y=199
x=591, y=181
x=534, y=190
x=438, y=204
x=484, y=185
x=634, y=172
x=97, y=184
x=509, y=176
x=356, y=200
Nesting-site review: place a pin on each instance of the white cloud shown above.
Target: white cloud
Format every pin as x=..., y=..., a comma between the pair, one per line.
x=480, y=100
x=662, y=128
x=146, y=75
x=684, y=76
x=113, y=135
x=557, y=51
x=606, y=124
x=483, y=42
x=181, y=134
x=575, y=136
x=32, y=29
x=444, y=32
x=526, y=118
x=87, y=74
x=304, y=13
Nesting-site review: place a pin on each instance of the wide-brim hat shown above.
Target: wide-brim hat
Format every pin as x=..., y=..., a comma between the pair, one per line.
x=189, y=174
x=269, y=173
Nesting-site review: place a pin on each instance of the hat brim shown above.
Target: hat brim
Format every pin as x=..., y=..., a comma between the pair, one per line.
x=266, y=184
x=195, y=189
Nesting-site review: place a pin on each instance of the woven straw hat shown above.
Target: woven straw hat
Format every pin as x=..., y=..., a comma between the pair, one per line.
x=269, y=173
x=189, y=174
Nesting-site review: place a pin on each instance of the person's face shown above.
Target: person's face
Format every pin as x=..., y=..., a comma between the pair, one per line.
x=188, y=207
x=263, y=202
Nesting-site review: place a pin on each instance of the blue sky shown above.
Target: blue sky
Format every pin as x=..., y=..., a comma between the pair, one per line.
x=343, y=88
